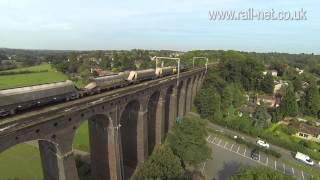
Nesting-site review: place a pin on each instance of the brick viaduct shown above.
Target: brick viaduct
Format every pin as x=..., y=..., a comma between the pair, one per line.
x=124, y=126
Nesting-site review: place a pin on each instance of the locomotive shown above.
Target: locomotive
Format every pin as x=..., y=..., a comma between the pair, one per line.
x=22, y=98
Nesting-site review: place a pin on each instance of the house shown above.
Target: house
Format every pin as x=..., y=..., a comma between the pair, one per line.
x=299, y=71
x=307, y=132
x=247, y=109
x=269, y=100
x=274, y=73
x=279, y=85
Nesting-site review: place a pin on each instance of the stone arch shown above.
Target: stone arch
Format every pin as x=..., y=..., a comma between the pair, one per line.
x=168, y=108
x=129, y=137
x=152, y=120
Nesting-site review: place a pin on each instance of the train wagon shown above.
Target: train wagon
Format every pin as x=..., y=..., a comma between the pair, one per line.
x=165, y=71
x=142, y=75
x=21, y=98
x=104, y=83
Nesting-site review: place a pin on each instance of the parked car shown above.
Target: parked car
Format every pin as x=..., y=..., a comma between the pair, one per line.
x=263, y=144
x=255, y=154
x=304, y=158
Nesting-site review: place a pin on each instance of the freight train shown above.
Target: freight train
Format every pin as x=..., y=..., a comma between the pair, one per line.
x=16, y=100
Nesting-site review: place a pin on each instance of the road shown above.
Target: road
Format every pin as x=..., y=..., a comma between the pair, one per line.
x=231, y=156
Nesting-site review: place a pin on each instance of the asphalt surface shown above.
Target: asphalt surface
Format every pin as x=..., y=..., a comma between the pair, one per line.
x=286, y=154
x=228, y=157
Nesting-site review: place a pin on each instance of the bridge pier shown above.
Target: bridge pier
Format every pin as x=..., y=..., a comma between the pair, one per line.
x=57, y=159
x=104, y=146
x=188, y=97
x=160, y=115
x=194, y=91
x=173, y=108
x=182, y=99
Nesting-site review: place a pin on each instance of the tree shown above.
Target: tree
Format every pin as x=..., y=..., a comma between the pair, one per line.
x=259, y=173
x=297, y=84
x=267, y=84
x=312, y=100
x=261, y=117
x=162, y=164
x=187, y=140
x=208, y=104
x=289, y=105
x=226, y=97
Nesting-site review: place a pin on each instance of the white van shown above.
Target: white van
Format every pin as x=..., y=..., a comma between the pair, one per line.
x=304, y=158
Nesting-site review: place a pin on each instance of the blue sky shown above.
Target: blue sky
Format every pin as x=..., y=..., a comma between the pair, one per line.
x=166, y=24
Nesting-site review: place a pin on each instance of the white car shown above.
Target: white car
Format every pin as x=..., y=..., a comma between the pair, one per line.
x=304, y=158
x=263, y=144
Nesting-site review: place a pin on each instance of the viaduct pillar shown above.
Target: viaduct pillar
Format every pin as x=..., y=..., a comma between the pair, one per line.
x=173, y=108
x=57, y=158
x=182, y=99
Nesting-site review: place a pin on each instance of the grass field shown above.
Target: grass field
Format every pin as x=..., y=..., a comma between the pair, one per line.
x=18, y=80
x=41, y=67
x=81, y=139
x=21, y=162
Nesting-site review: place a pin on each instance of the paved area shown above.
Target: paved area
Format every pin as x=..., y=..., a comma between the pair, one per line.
x=228, y=156
x=284, y=152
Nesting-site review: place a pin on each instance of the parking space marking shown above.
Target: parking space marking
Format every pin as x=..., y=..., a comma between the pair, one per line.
x=208, y=138
x=238, y=149
x=244, y=153
x=231, y=147
x=213, y=139
x=267, y=160
x=302, y=175
x=225, y=145
x=292, y=170
x=204, y=165
x=259, y=156
x=219, y=142
x=275, y=164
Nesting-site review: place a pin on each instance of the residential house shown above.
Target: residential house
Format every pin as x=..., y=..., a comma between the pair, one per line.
x=307, y=132
x=274, y=73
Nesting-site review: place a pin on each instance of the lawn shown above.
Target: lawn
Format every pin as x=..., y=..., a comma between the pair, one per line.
x=81, y=139
x=21, y=162
x=18, y=80
x=41, y=67
x=43, y=73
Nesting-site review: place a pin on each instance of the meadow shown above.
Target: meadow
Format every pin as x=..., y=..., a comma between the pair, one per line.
x=40, y=74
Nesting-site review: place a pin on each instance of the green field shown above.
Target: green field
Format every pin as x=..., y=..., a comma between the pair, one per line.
x=18, y=80
x=41, y=67
x=81, y=139
x=21, y=162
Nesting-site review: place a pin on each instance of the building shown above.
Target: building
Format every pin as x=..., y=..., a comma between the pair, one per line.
x=307, y=132
x=269, y=100
x=299, y=71
x=274, y=73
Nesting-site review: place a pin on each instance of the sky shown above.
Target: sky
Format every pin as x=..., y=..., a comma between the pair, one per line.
x=147, y=24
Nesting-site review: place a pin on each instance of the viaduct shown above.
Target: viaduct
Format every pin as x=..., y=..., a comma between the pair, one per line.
x=124, y=126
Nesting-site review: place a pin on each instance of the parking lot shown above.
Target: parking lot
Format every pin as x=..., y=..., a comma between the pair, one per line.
x=234, y=154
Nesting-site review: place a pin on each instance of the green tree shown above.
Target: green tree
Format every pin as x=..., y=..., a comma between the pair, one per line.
x=187, y=140
x=289, y=105
x=162, y=164
x=261, y=117
x=297, y=84
x=227, y=97
x=208, y=104
x=259, y=173
x=267, y=84
x=312, y=100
